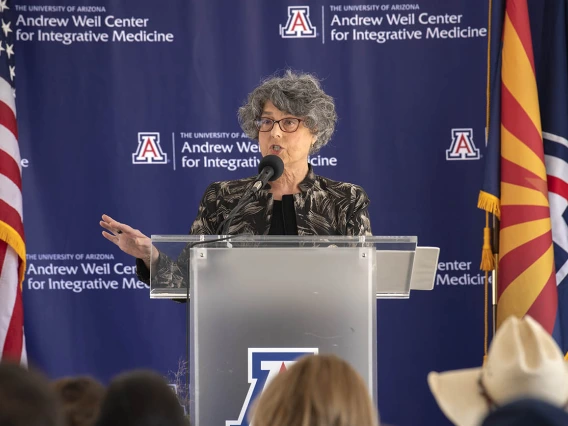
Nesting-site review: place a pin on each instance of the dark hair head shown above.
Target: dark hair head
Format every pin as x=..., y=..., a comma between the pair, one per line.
x=527, y=412
x=26, y=398
x=140, y=398
x=80, y=399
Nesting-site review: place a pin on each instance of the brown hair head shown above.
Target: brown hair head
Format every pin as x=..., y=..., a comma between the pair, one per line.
x=80, y=399
x=25, y=398
x=140, y=398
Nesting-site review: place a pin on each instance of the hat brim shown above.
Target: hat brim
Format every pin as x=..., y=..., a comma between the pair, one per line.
x=457, y=394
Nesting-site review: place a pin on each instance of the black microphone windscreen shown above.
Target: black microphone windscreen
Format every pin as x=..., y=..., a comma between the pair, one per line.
x=273, y=161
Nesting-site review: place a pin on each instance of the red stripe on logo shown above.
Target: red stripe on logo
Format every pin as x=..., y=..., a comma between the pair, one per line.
x=558, y=186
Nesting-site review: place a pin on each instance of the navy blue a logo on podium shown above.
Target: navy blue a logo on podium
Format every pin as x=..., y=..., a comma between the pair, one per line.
x=462, y=147
x=263, y=365
x=149, y=150
x=298, y=24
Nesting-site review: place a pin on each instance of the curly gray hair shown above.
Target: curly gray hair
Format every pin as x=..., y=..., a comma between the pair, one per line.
x=297, y=94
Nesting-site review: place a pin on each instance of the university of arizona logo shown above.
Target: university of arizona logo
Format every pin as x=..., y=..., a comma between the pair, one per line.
x=263, y=365
x=149, y=150
x=299, y=24
x=462, y=147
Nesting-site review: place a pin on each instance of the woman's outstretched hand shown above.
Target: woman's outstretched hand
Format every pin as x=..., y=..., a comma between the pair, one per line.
x=129, y=240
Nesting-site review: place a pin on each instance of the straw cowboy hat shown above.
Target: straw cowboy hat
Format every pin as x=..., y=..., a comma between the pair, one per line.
x=523, y=362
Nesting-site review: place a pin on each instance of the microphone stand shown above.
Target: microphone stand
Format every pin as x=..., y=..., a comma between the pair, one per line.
x=266, y=173
x=187, y=316
x=251, y=190
x=270, y=166
x=226, y=224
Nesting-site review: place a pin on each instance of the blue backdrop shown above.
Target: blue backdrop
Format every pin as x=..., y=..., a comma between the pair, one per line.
x=409, y=87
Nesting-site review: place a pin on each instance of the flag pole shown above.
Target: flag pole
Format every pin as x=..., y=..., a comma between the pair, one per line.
x=494, y=302
x=494, y=273
x=489, y=265
x=490, y=204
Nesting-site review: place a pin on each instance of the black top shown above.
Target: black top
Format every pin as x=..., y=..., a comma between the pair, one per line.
x=323, y=207
x=283, y=217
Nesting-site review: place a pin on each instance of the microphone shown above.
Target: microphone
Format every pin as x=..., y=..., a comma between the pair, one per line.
x=270, y=168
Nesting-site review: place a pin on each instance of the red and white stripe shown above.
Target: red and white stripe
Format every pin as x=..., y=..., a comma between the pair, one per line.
x=11, y=312
x=557, y=174
x=12, y=240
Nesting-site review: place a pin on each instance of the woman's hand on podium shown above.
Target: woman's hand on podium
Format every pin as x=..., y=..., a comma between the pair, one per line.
x=129, y=240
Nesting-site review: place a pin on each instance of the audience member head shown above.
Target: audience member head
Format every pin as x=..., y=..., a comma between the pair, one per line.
x=80, y=399
x=523, y=362
x=527, y=412
x=26, y=398
x=140, y=398
x=317, y=390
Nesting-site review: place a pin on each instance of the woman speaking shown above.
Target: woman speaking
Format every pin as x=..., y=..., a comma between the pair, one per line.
x=292, y=118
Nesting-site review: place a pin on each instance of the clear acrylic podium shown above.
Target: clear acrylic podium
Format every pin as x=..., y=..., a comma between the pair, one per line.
x=257, y=303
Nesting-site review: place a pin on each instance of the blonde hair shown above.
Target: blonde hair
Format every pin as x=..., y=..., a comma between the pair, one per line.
x=318, y=390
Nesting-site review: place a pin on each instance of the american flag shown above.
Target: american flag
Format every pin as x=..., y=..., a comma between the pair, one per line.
x=12, y=240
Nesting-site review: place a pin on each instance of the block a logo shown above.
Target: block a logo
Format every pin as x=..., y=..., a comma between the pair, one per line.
x=149, y=150
x=299, y=24
x=263, y=365
x=462, y=147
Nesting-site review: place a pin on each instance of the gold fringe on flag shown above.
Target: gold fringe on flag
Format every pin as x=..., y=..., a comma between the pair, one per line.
x=14, y=240
x=489, y=203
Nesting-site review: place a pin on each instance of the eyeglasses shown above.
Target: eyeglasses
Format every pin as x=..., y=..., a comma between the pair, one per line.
x=288, y=125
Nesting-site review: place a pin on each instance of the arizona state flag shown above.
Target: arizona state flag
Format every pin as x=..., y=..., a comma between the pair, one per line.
x=515, y=187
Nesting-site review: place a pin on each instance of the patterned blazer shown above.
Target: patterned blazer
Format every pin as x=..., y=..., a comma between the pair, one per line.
x=323, y=207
